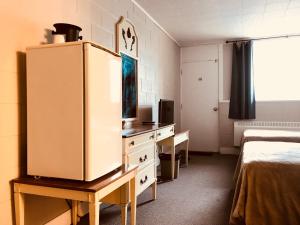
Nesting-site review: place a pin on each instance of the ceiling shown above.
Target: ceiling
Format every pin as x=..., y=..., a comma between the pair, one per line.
x=192, y=22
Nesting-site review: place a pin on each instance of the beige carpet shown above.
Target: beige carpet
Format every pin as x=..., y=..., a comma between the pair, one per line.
x=201, y=195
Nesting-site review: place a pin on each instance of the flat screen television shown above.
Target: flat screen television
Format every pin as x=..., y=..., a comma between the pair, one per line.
x=129, y=87
x=166, y=111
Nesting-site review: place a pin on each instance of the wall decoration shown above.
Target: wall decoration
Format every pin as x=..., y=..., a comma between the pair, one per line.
x=127, y=47
x=129, y=87
x=127, y=41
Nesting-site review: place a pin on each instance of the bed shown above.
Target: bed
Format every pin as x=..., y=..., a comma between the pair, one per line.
x=267, y=179
x=270, y=135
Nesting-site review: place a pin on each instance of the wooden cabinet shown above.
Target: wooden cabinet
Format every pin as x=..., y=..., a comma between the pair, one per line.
x=138, y=140
x=141, y=150
x=142, y=155
x=139, y=147
x=145, y=178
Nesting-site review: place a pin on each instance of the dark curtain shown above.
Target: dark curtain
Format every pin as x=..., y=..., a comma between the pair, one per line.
x=242, y=98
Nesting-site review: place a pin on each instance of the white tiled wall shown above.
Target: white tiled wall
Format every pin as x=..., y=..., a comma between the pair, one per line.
x=24, y=23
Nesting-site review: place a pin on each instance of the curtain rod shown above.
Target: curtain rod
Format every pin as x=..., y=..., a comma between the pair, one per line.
x=262, y=38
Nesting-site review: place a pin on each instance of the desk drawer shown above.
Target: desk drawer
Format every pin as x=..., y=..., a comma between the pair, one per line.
x=181, y=137
x=164, y=133
x=142, y=155
x=145, y=178
x=140, y=139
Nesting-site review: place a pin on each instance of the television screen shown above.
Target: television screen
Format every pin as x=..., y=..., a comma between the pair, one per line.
x=166, y=111
x=129, y=87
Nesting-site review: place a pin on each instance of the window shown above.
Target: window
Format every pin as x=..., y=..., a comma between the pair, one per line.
x=276, y=67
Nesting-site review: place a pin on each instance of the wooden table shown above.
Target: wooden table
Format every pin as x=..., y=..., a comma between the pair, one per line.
x=171, y=143
x=105, y=189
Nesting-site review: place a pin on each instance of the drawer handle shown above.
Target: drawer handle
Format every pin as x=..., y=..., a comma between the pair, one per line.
x=143, y=160
x=158, y=134
x=131, y=143
x=144, y=181
x=151, y=137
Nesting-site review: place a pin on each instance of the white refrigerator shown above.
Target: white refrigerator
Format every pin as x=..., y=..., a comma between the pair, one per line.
x=73, y=111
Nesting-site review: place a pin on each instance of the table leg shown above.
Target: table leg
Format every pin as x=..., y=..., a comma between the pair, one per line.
x=172, y=161
x=154, y=190
x=19, y=208
x=132, y=202
x=124, y=214
x=94, y=213
x=74, y=212
x=187, y=153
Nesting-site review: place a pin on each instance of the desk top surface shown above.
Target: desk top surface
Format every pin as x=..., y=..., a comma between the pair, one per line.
x=91, y=186
x=143, y=128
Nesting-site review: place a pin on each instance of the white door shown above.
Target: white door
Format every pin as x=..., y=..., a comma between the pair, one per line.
x=199, y=112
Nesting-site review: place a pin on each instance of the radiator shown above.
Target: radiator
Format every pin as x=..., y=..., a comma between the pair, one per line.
x=240, y=126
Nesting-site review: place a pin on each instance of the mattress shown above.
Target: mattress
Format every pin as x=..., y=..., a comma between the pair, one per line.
x=270, y=135
x=268, y=185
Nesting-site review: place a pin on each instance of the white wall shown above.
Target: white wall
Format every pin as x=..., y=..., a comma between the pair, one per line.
x=227, y=65
x=24, y=23
x=199, y=53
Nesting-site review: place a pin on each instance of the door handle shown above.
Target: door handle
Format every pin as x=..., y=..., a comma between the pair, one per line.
x=143, y=160
x=215, y=109
x=144, y=181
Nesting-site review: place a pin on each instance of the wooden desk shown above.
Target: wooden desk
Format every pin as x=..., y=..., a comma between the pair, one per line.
x=171, y=142
x=94, y=192
x=139, y=147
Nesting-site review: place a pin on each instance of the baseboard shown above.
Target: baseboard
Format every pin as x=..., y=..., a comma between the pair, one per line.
x=201, y=153
x=229, y=150
x=63, y=219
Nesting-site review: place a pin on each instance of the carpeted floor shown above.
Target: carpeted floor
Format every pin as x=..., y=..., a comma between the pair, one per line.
x=201, y=195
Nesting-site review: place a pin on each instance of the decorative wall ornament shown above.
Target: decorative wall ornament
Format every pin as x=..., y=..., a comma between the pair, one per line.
x=127, y=41
x=127, y=47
